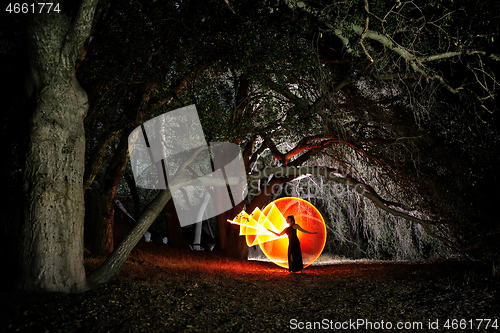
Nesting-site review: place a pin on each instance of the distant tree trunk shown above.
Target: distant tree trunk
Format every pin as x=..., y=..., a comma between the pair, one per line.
x=197, y=236
x=100, y=208
x=135, y=194
x=96, y=157
x=230, y=242
x=99, y=218
x=176, y=238
x=113, y=263
x=199, y=225
x=51, y=246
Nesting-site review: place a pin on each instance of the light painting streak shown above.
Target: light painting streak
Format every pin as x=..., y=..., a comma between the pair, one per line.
x=254, y=227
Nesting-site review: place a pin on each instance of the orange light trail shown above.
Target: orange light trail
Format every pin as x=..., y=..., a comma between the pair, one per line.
x=255, y=227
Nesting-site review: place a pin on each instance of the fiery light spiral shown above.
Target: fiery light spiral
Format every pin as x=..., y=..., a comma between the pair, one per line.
x=273, y=217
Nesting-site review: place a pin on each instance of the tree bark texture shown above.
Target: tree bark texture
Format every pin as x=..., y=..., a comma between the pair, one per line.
x=51, y=246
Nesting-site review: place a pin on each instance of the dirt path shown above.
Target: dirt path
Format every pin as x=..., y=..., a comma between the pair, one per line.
x=178, y=292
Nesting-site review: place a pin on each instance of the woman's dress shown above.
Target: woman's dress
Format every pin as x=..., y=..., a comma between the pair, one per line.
x=294, y=252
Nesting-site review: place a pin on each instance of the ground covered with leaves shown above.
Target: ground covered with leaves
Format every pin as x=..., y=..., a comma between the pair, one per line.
x=161, y=290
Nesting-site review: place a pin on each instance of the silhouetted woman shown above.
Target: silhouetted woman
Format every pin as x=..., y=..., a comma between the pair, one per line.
x=294, y=252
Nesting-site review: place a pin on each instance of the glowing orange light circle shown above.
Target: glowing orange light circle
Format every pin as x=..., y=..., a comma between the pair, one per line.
x=308, y=217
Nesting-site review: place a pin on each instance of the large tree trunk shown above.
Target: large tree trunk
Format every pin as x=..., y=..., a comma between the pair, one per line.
x=51, y=247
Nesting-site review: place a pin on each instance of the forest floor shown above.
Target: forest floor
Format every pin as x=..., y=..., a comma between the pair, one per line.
x=161, y=290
